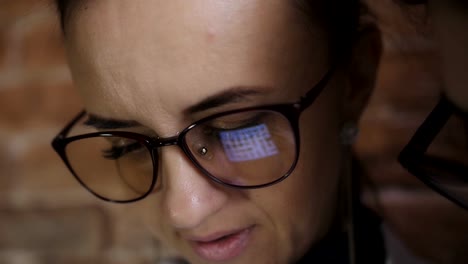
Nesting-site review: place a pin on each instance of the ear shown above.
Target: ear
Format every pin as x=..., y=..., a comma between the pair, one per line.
x=363, y=68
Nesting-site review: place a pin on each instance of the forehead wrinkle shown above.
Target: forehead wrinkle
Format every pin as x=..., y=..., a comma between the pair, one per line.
x=106, y=72
x=118, y=41
x=189, y=38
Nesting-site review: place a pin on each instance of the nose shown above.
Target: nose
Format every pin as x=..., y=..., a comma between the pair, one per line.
x=189, y=198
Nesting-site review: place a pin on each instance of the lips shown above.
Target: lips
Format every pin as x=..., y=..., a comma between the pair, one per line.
x=222, y=246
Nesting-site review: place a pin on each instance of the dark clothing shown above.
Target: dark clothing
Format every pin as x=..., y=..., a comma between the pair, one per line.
x=334, y=248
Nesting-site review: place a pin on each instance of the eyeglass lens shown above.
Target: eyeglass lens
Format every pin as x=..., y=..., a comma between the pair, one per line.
x=243, y=149
x=115, y=168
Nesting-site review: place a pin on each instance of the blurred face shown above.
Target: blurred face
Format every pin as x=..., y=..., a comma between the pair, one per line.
x=149, y=61
x=451, y=21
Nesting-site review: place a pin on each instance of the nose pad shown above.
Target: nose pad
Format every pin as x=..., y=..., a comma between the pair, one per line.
x=188, y=196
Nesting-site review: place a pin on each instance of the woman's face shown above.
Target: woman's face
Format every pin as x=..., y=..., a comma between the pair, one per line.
x=150, y=61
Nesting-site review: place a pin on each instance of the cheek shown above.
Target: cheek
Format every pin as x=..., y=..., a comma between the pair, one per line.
x=151, y=213
x=315, y=186
x=302, y=207
x=318, y=172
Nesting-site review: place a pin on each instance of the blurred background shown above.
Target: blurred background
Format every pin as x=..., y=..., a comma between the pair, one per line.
x=47, y=217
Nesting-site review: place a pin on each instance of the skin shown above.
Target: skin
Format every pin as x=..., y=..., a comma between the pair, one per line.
x=148, y=61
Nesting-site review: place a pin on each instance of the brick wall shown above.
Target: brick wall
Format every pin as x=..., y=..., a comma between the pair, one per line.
x=46, y=217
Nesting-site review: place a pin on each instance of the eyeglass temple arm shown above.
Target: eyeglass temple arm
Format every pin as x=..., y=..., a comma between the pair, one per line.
x=313, y=93
x=68, y=127
x=431, y=127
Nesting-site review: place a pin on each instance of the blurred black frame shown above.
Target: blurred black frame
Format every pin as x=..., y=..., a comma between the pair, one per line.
x=434, y=171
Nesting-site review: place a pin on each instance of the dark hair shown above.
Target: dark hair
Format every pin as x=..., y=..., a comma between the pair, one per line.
x=62, y=8
x=340, y=16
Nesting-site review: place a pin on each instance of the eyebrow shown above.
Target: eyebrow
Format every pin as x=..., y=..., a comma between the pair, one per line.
x=109, y=123
x=230, y=96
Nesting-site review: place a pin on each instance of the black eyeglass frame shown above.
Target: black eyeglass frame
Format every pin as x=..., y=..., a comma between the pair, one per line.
x=291, y=111
x=414, y=153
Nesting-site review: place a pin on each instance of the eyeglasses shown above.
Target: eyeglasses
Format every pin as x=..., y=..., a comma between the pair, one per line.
x=449, y=177
x=247, y=148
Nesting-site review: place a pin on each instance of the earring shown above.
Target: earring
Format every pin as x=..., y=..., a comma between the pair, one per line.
x=349, y=133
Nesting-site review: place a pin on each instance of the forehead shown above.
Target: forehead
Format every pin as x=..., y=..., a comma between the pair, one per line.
x=126, y=52
x=176, y=23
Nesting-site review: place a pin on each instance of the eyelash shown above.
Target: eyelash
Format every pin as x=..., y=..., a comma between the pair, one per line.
x=246, y=122
x=214, y=130
x=116, y=152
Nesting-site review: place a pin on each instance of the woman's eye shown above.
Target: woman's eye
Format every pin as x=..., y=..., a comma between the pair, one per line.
x=216, y=130
x=229, y=125
x=117, y=152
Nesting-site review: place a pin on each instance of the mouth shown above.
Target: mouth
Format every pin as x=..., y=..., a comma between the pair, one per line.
x=224, y=246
